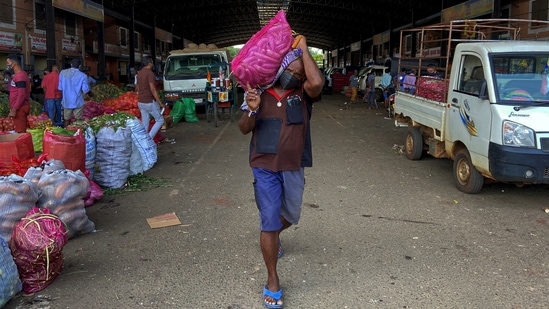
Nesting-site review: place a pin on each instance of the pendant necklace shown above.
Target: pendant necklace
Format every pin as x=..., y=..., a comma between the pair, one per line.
x=279, y=97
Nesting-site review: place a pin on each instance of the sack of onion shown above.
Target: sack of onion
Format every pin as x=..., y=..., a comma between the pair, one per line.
x=259, y=59
x=37, y=247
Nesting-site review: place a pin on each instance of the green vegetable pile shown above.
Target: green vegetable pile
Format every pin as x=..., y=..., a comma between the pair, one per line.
x=137, y=183
x=4, y=105
x=36, y=108
x=105, y=91
x=116, y=120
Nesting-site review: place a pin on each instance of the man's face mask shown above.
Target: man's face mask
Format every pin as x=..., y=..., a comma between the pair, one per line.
x=289, y=81
x=9, y=67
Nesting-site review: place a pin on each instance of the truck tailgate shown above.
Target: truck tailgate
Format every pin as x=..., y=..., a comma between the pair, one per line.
x=422, y=111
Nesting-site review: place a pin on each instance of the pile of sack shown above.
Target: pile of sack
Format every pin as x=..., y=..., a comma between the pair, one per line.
x=39, y=213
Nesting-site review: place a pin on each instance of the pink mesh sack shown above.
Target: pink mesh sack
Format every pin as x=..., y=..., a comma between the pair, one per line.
x=37, y=246
x=259, y=59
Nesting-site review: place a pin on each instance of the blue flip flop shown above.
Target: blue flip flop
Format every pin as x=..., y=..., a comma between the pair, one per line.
x=274, y=295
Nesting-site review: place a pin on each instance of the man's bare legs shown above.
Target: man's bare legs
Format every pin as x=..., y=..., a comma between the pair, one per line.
x=269, y=248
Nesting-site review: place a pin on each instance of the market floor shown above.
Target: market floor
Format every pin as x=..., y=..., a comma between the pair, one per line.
x=377, y=230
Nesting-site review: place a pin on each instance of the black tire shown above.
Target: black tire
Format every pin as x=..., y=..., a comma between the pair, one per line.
x=413, y=145
x=467, y=178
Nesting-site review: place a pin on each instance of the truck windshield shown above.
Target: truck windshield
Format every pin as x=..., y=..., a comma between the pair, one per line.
x=192, y=66
x=522, y=78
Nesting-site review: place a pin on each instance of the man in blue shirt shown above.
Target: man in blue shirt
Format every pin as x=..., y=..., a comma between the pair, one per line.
x=73, y=84
x=386, y=78
x=386, y=81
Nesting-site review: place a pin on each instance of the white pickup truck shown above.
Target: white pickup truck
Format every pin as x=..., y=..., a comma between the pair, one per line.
x=487, y=110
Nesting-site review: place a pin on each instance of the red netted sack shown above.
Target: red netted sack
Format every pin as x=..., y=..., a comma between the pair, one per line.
x=432, y=88
x=259, y=59
x=71, y=150
x=37, y=245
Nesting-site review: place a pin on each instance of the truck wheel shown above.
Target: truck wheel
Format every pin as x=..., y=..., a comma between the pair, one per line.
x=466, y=176
x=414, y=144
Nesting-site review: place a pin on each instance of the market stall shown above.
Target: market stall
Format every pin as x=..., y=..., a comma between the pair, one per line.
x=49, y=175
x=220, y=96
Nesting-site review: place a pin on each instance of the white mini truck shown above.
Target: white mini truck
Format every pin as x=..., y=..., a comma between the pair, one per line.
x=488, y=108
x=186, y=71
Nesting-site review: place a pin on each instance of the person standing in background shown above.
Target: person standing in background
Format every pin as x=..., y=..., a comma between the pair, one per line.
x=19, y=94
x=386, y=79
x=52, y=95
x=387, y=85
x=410, y=82
x=37, y=93
x=73, y=84
x=46, y=72
x=91, y=80
x=432, y=71
x=147, y=97
x=7, y=82
x=371, y=88
x=401, y=77
x=353, y=84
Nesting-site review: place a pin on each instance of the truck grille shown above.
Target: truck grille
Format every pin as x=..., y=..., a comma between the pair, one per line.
x=546, y=172
x=544, y=144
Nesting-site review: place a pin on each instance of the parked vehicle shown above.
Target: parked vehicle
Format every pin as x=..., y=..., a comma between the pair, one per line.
x=186, y=70
x=363, y=74
x=489, y=111
x=328, y=86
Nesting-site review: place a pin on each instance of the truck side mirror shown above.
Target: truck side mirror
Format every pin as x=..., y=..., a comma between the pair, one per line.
x=483, y=93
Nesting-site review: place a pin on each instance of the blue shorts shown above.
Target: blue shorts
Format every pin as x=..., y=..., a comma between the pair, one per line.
x=278, y=194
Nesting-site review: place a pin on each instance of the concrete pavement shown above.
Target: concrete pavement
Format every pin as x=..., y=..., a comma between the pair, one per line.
x=377, y=231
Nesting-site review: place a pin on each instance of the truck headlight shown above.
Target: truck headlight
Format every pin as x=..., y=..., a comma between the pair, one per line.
x=517, y=135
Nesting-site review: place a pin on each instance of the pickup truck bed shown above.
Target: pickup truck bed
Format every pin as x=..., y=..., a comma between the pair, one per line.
x=423, y=111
